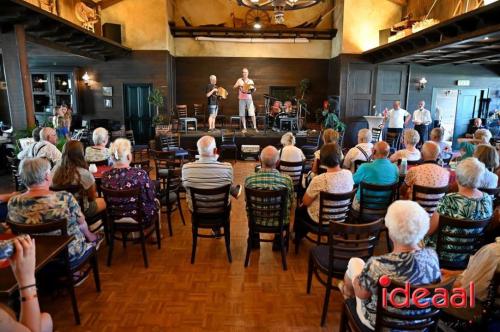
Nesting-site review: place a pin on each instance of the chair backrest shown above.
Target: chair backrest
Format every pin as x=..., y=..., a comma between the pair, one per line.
x=393, y=138
x=313, y=139
x=13, y=163
x=164, y=160
x=410, y=162
x=346, y=241
x=428, y=197
x=293, y=170
x=459, y=238
x=210, y=206
x=357, y=163
x=142, y=164
x=117, y=134
x=198, y=109
x=182, y=111
x=123, y=204
x=494, y=193
x=376, y=132
x=129, y=134
x=171, y=141
x=265, y=208
x=172, y=182
x=140, y=152
x=410, y=318
x=374, y=199
x=227, y=138
x=334, y=207
x=75, y=189
x=49, y=226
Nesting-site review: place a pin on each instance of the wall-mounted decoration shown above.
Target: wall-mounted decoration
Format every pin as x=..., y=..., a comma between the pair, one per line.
x=49, y=5
x=108, y=103
x=87, y=15
x=3, y=85
x=107, y=91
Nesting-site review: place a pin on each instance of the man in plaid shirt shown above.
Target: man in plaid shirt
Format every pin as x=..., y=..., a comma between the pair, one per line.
x=269, y=178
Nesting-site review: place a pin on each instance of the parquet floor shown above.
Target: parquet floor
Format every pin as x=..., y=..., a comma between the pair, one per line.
x=211, y=295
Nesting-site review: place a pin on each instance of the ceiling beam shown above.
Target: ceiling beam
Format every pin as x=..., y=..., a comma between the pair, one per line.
x=107, y=3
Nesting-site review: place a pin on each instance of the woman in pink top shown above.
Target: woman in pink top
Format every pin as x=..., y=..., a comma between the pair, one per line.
x=245, y=88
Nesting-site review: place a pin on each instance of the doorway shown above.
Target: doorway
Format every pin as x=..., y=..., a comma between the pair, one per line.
x=138, y=113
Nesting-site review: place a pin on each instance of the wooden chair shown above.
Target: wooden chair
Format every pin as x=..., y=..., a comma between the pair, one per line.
x=393, y=139
x=428, y=197
x=401, y=319
x=184, y=119
x=376, y=133
x=374, y=200
x=228, y=143
x=358, y=163
x=169, y=194
x=211, y=210
x=295, y=170
x=494, y=193
x=164, y=161
x=410, y=162
x=129, y=134
x=311, y=145
x=266, y=212
x=461, y=238
x=125, y=216
x=89, y=263
x=142, y=164
x=345, y=241
x=141, y=152
x=13, y=164
x=332, y=207
x=117, y=134
x=199, y=114
x=172, y=142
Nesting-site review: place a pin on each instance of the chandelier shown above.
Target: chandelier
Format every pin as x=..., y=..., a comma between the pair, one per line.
x=278, y=6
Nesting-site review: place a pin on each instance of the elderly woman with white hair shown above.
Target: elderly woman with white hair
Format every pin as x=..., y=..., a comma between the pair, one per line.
x=124, y=177
x=39, y=205
x=289, y=152
x=481, y=136
x=362, y=151
x=410, y=152
x=468, y=203
x=488, y=155
x=98, y=152
x=407, y=223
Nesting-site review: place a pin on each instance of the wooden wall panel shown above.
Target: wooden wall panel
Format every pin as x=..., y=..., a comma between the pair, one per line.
x=192, y=77
x=391, y=86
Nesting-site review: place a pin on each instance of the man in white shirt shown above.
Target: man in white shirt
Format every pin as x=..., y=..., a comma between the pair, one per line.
x=362, y=151
x=44, y=149
x=398, y=118
x=421, y=120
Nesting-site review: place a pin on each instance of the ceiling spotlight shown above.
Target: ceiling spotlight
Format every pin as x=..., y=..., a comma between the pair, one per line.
x=486, y=38
x=255, y=1
x=257, y=24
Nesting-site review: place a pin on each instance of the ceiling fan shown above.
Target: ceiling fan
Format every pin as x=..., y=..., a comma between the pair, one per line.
x=278, y=6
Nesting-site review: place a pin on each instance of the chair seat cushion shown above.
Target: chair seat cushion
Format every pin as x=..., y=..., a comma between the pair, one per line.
x=163, y=172
x=188, y=119
x=228, y=146
x=322, y=256
x=351, y=308
x=172, y=198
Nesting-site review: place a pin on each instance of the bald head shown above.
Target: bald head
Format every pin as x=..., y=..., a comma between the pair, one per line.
x=269, y=156
x=48, y=134
x=430, y=151
x=206, y=146
x=381, y=150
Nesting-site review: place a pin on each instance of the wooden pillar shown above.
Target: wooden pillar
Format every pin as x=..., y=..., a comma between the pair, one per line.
x=25, y=74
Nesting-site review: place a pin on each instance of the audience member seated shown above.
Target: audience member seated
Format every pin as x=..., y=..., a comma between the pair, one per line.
x=45, y=148
x=407, y=223
x=467, y=203
x=269, y=178
x=477, y=124
x=437, y=136
x=73, y=170
x=124, y=177
x=39, y=204
x=380, y=171
x=329, y=136
x=4, y=199
x=488, y=155
x=481, y=136
x=410, y=152
x=98, y=152
x=362, y=151
x=336, y=181
x=289, y=152
x=22, y=263
x=429, y=174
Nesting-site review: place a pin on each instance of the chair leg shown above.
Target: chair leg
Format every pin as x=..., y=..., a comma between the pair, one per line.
x=310, y=267
x=95, y=269
x=180, y=208
x=143, y=247
x=343, y=320
x=71, y=288
x=227, y=238
x=124, y=240
x=249, y=248
x=195, y=238
x=326, y=301
x=158, y=232
x=169, y=221
x=283, y=251
x=111, y=244
x=105, y=227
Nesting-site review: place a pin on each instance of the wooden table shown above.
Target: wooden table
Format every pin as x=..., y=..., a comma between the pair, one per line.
x=47, y=248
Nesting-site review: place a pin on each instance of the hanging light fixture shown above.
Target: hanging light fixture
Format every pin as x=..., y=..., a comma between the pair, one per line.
x=86, y=79
x=257, y=24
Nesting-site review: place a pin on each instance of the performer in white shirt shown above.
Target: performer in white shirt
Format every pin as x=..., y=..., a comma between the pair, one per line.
x=245, y=88
x=421, y=120
x=398, y=118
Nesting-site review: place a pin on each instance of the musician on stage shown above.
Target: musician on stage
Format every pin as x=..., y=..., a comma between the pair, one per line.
x=213, y=102
x=246, y=87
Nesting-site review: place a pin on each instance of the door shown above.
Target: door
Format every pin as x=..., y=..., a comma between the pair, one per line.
x=467, y=106
x=138, y=113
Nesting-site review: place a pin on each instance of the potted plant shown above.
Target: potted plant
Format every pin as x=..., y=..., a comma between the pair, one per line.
x=305, y=86
x=160, y=121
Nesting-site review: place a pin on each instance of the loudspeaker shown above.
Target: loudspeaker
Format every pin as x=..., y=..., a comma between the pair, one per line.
x=112, y=31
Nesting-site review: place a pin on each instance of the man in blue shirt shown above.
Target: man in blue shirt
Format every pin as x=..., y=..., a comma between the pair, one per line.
x=380, y=171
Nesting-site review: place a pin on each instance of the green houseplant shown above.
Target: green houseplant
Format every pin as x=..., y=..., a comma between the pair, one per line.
x=305, y=86
x=156, y=99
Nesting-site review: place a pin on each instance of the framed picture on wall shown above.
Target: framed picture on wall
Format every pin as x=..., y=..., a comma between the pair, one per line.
x=108, y=103
x=107, y=91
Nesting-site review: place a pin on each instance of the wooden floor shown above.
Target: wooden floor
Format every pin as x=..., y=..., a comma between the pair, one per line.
x=212, y=294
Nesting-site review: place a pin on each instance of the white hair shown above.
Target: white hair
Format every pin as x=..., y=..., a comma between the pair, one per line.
x=212, y=76
x=100, y=136
x=411, y=136
x=45, y=133
x=364, y=136
x=288, y=139
x=407, y=222
x=206, y=145
x=120, y=149
x=33, y=170
x=483, y=135
x=430, y=150
x=470, y=172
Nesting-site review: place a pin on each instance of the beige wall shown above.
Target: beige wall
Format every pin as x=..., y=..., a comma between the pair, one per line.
x=144, y=23
x=315, y=49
